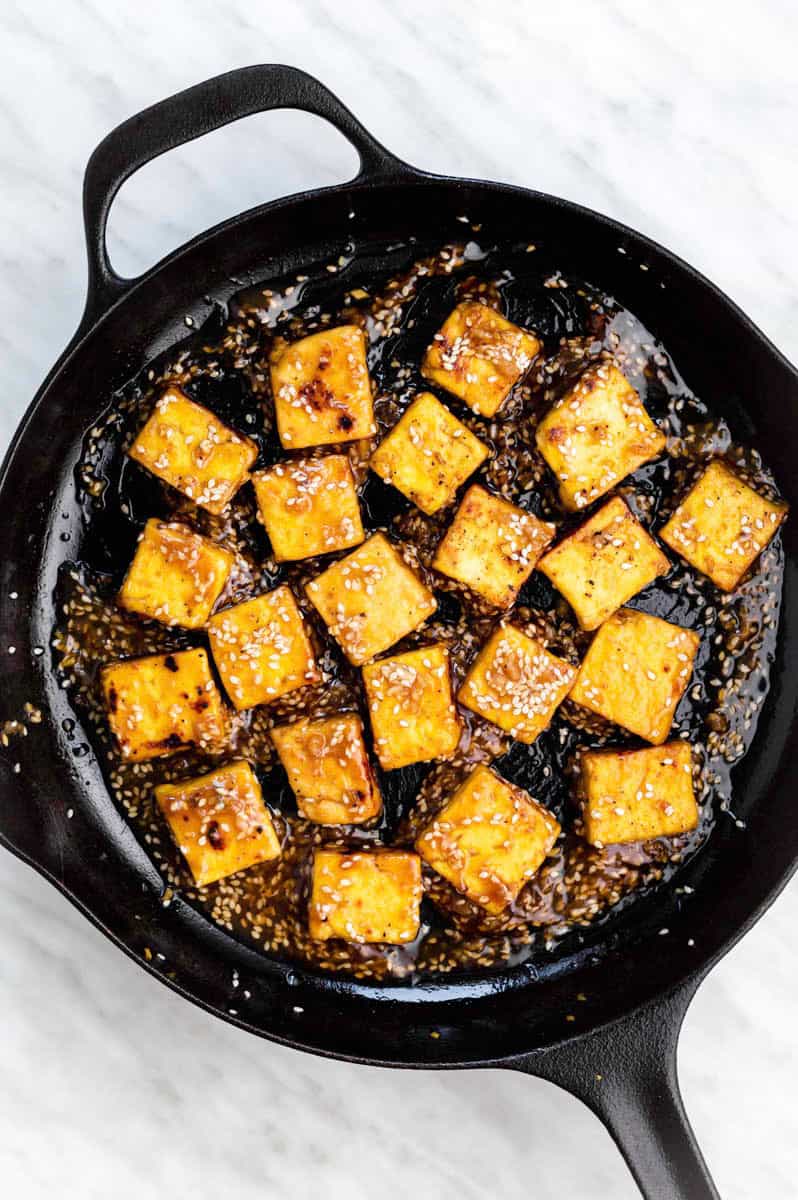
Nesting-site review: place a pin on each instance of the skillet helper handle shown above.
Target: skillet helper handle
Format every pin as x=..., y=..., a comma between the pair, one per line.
x=626, y=1073
x=188, y=115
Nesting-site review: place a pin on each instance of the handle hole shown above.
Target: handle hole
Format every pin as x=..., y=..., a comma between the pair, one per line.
x=194, y=187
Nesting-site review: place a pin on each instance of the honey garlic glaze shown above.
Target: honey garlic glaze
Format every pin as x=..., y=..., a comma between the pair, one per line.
x=224, y=366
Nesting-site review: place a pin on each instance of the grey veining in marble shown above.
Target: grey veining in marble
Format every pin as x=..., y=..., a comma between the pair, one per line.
x=679, y=119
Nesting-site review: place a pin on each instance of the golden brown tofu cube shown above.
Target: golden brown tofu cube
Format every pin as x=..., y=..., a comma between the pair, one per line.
x=176, y=575
x=428, y=454
x=603, y=563
x=516, y=683
x=370, y=599
x=366, y=896
x=322, y=390
x=479, y=356
x=634, y=795
x=722, y=526
x=219, y=822
x=261, y=649
x=596, y=434
x=413, y=717
x=489, y=839
x=636, y=672
x=187, y=446
x=163, y=703
x=329, y=769
x=492, y=546
x=309, y=506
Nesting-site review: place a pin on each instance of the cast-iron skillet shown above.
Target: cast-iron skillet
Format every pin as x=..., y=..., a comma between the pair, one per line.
x=618, y=1055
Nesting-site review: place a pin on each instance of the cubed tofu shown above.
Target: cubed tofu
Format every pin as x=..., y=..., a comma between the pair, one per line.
x=370, y=599
x=722, y=526
x=413, y=717
x=596, y=434
x=489, y=840
x=636, y=672
x=635, y=795
x=322, y=390
x=366, y=896
x=603, y=563
x=219, y=822
x=191, y=449
x=516, y=684
x=163, y=703
x=261, y=649
x=329, y=769
x=309, y=506
x=428, y=454
x=492, y=546
x=479, y=356
x=176, y=575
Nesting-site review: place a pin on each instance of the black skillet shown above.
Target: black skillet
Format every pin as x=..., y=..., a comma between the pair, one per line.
x=619, y=1054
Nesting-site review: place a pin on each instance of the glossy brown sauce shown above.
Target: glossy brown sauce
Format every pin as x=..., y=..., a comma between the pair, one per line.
x=225, y=367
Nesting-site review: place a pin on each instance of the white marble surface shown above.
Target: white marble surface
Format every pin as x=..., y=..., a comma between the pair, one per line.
x=679, y=119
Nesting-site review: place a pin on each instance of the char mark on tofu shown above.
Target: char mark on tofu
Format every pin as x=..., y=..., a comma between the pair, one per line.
x=150, y=708
x=322, y=390
x=219, y=822
x=317, y=395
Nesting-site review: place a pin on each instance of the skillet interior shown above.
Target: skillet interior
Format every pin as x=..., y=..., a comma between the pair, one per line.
x=94, y=855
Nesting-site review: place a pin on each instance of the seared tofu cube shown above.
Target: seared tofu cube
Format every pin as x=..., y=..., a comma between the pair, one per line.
x=219, y=822
x=596, y=434
x=479, y=356
x=329, y=769
x=370, y=599
x=191, y=449
x=322, y=390
x=176, y=575
x=516, y=683
x=492, y=546
x=489, y=840
x=428, y=454
x=722, y=526
x=603, y=563
x=163, y=703
x=309, y=506
x=366, y=896
x=635, y=795
x=636, y=672
x=261, y=649
x=413, y=717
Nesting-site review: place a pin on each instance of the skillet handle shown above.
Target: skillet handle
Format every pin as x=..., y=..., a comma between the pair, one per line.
x=188, y=115
x=626, y=1073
